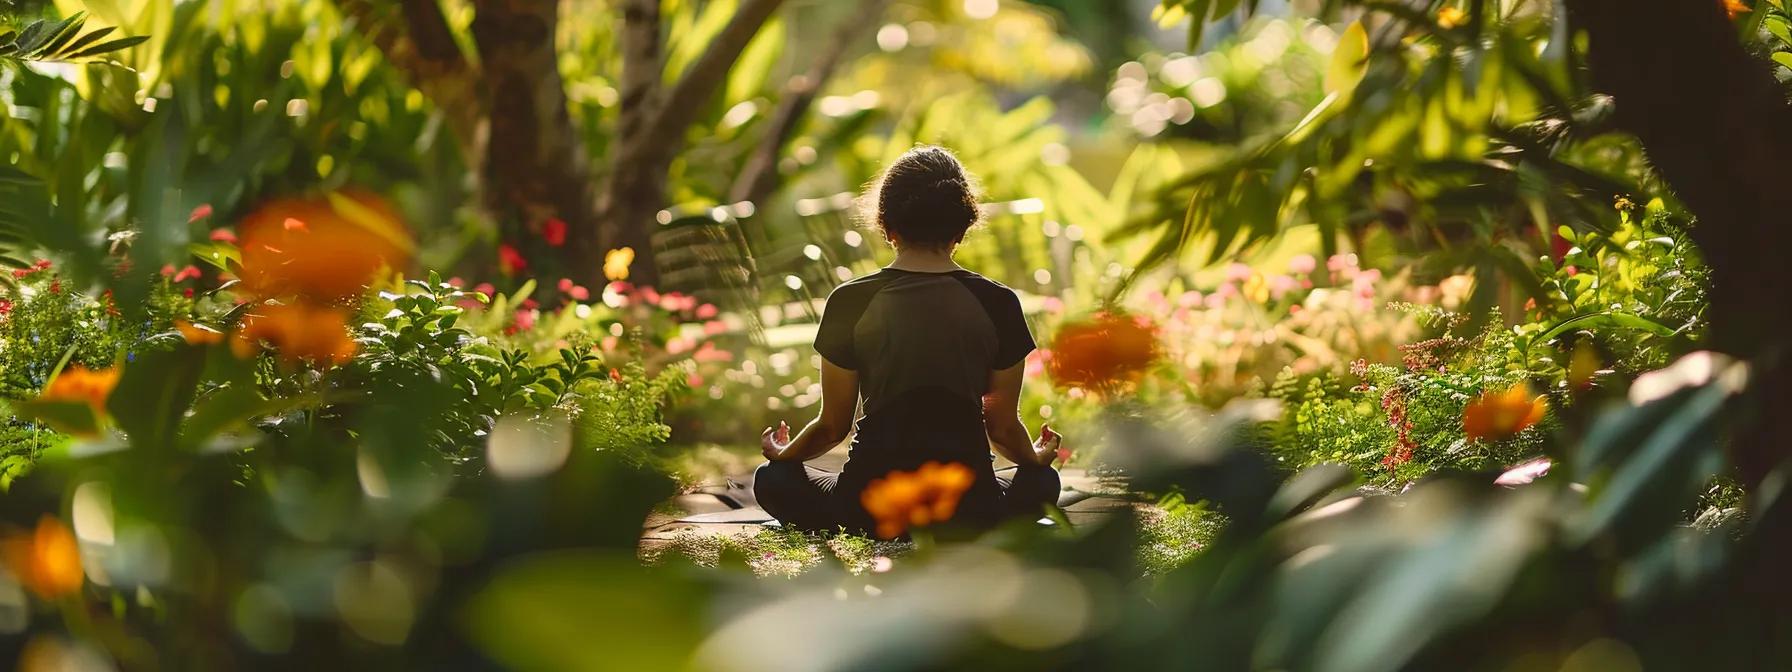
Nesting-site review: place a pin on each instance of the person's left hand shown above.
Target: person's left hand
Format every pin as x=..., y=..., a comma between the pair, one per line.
x=774, y=441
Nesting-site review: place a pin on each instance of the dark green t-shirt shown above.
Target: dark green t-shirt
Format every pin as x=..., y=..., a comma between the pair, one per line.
x=923, y=345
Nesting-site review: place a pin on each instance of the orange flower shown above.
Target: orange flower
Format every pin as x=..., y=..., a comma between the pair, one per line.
x=1734, y=7
x=198, y=334
x=48, y=562
x=1501, y=415
x=300, y=332
x=327, y=247
x=82, y=385
x=1104, y=353
x=1451, y=17
x=919, y=498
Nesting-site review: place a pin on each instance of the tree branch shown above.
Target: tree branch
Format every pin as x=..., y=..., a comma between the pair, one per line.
x=760, y=176
x=417, y=41
x=643, y=67
x=698, y=83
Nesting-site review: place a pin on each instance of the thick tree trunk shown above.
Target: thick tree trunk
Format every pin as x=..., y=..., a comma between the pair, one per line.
x=1717, y=126
x=536, y=168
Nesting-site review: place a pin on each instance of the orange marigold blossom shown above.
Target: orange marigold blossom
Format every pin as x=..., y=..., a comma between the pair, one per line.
x=909, y=499
x=46, y=561
x=1497, y=415
x=198, y=334
x=80, y=384
x=298, y=331
x=1734, y=7
x=1104, y=352
x=325, y=247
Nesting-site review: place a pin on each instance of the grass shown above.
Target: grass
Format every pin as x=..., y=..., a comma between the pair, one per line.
x=781, y=553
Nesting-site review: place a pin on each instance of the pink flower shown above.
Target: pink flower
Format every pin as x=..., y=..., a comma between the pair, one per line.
x=224, y=236
x=1302, y=264
x=1524, y=473
x=1216, y=301
x=554, y=231
x=201, y=212
x=648, y=294
x=510, y=261
x=707, y=311
x=565, y=284
x=1281, y=285
x=1337, y=262
x=1052, y=304
x=609, y=343
x=694, y=380
x=168, y=270
x=1156, y=299
x=710, y=353
x=1189, y=299
x=714, y=327
x=189, y=272
x=579, y=293
x=525, y=320
x=486, y=288
x=456, y=282
x=1238, y=272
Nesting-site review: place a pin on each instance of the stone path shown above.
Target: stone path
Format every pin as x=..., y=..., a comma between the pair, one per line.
x=727, y=507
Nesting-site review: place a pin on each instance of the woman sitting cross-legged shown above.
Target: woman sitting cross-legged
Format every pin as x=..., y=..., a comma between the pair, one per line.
x=935, y=352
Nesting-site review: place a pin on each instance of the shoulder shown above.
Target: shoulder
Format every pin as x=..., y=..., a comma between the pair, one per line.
x=857, y=291
x=987, y=291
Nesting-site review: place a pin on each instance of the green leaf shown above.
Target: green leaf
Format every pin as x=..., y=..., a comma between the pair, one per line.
x=1783, y=58
x=1606, y=319
x=68, y=417
x=154, y=394
x=1349, y=61
x=535, y=612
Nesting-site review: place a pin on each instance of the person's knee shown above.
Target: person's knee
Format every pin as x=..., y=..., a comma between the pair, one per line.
x=1040, y=483
x=773, y=478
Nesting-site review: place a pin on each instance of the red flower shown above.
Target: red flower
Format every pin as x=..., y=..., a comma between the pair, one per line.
x=201, y=212
x=579, y=293
x=5, y=307
x=554, y=231
x=189, y=272
x=56, y=285
x=510, y=261
x=224, y=236
x=615, y=375
x=566, y=284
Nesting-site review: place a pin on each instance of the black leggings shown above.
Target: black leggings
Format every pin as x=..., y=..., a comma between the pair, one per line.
x=812, y=499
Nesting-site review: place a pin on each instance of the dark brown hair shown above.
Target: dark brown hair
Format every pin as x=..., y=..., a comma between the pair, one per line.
x=925, y=198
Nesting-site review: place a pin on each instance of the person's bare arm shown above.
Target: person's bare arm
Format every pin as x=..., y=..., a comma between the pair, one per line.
x=833, y=421
x=1001, y=421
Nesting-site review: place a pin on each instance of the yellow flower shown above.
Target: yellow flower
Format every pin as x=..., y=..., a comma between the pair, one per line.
x=1256, y=289
x=1734, y=7
x=1451, y=17
x=1582, y=366
x=616, y=263
x=47, y=561
x=198, y=334
x=1501, y=415
x=300, y=332
x=923, y=497
x=82, y=385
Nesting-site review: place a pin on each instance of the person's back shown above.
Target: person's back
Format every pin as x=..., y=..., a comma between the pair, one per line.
x=926, y=346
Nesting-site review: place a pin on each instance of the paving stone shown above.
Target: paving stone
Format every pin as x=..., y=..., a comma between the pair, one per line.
x=703, y=502
x=1098, y=505
x=752, y=515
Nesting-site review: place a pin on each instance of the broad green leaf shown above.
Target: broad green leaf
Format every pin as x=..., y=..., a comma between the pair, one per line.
x=1783, y=58
x=154, y=394
x=68, y=417
x=1349, y=61
x=754, y=69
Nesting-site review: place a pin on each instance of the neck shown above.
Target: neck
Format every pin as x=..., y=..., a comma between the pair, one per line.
x=926, y=261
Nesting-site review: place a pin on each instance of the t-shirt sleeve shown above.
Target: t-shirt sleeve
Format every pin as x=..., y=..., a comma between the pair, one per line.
x=1014, y=339
x=834, y=339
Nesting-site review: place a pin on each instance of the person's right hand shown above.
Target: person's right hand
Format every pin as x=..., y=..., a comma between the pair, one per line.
x=1046, y=449
x=773, y=442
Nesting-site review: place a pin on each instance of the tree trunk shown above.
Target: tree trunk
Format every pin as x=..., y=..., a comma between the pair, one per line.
x=536, y=168
x=1716, y=125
